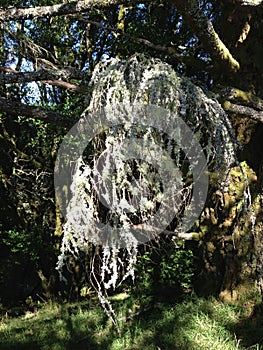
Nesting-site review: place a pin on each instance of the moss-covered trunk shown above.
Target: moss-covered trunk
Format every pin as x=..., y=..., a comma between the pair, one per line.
x=230, y=248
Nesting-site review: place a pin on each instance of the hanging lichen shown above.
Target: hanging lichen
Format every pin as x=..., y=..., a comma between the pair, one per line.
x=114, y=189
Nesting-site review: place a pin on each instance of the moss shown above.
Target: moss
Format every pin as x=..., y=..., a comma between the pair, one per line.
x=246, y=97
x=225, y=54
x=228, y=239
x=226, y=105
x=210, y=247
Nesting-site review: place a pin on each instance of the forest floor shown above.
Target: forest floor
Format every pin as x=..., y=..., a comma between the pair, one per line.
x=194, y=323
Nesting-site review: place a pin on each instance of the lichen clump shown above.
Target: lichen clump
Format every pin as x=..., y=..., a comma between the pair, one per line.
x=132, y=190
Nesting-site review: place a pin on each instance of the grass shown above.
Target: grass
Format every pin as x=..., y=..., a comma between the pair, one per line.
x=193, y=324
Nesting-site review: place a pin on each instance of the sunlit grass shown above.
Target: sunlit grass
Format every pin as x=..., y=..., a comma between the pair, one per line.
x=194, y=324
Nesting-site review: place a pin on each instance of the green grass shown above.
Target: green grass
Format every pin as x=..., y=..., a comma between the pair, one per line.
x=194, y=324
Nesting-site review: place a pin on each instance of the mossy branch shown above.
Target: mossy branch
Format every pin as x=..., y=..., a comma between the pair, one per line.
x=7, y=138
x=242, y=103
x=203, y=28
x=243, y=111
x=248, y=2
x=235, y=95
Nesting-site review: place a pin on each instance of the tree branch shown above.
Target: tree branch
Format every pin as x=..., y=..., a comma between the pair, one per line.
x=15, y=108
x=239, y=96
x=245, y=103
x=65, y=85
x=170, y=50
x=205, y=31
x=243, y=111
x=194, y=16
x=55, y=77
x=66, y=74
x=14, y=14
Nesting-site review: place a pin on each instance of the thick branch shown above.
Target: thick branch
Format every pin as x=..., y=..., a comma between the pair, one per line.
x=243, y=111
x=14, y=14
x=205, y=31
x=66, y=74
x=235, y=95
x=18, y=109
x=65, y=85
x=46, y=76
x=245, y=103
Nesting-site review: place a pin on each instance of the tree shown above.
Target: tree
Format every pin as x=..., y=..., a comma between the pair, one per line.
x=49, y=51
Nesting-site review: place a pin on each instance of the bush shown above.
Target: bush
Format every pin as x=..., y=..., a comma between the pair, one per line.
x=19, y=261
x=167, y=270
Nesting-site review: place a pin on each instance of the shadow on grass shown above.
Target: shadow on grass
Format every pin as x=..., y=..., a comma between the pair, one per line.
x=64, y=328
x=190, y=325
x=250, y=329
x=197, y=324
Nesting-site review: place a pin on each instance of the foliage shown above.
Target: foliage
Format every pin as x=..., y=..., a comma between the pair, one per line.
x=177, y=267
x=19, y=259
x=168, y=270
x=21, y=243
x=27, y=208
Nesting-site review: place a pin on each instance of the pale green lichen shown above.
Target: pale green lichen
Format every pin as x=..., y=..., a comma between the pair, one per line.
x=117, y=84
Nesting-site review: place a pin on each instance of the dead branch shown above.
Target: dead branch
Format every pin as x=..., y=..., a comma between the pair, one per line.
x=65, y=74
